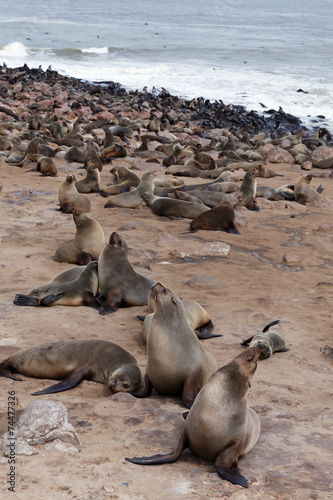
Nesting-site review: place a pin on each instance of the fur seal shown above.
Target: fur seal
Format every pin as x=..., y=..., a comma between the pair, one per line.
x=93, y=155
x=132, y=199
x=267, y=342
x=220, y=426
x=73, y=361
x=303, y=192
x=46, y=166
x=177, y=363
x=213, y=198
x=119, y=284
x=68, y=275
x=75, y=154
x=269, y=193
x=90, y=184
x=248, y=189
x=79, y=292
x=182, y=195
x=31, y=151
x=125, y=178
x=220, y=218
x=87, y=244
x=174, y=209
x=69, y=197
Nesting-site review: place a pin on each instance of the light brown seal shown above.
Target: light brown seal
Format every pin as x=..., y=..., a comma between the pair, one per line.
x=79, y=292
x=303, y=192
x=177, y=363
x=31, y=152
x=46, y=166
x=220, y=426
x=125, y=178
x=87, y=244
x=267, y=342
x=269, y=193
x=68, y=275
x=90, y=184
x=213, y=198
x=249, y=189
x=73, y=361
x=69, y=197
x=174, y=209
x=119, y=284
x=132, y=199
x=93, y=155
x=220, y=218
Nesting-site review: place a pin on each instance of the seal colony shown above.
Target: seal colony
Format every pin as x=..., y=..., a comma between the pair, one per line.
x=229, y=149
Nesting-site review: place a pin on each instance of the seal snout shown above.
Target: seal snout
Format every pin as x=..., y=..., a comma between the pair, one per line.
x=115, y=239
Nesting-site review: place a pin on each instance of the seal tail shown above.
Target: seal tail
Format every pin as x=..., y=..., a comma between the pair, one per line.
x=25, y=300
x=162, y=459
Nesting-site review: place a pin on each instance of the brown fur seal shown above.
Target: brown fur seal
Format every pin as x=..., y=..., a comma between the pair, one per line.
x=125, y=178
x=269, y=193
x=213, y=198
x=68, y=275
x=46, y=166
x=93, y=155
x=248, y=189
x=75, y=154
x=267, y=342
x=73, y=361
x=174, y=209
x=132, y=199
x=87, y=244
x=31, y=152
x=220, y=218
x=177, y=363
x=303, y=192
x=266, y=173
x=90, y=184
x=119, y=284
x=79, y=292
x=220, y=426
x=182, y=195
x=70, y=198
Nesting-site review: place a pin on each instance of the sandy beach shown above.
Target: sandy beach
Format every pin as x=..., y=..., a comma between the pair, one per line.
x=278, y=268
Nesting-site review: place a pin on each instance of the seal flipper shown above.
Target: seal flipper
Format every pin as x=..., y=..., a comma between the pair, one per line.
x=6, y=372
x=267, y=327
x=25, y=300
x=68, y=383
x=146, y=391
x=50, y=299
x=226, y=466
x=203, y=332
x=162, y=459
x=284, y=349
x=247, y=341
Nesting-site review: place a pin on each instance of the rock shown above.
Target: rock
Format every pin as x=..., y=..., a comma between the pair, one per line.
x=290, y=258
x=129, y=226
x=327, y=351
x=279, y=155
x=204, y=281
x=214, y=248
x=322, y=153
x=306, y=165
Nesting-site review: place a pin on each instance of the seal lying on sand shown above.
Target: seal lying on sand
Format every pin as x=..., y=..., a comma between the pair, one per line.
x=220, y=426
x=267, y=342
x=73, y=361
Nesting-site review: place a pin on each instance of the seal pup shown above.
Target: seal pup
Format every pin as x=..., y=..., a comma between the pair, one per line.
x=69, y=197
x=93, y=155
x=269, y=193
x=125, y=178
x=119, y=284
x=177, y=363
x=73, y=361
x=220, y=218
x=46, y=166
x=248, y=189
x=31, y=152
x=220, y=426
x=87, y=244
x=132, y=199
x=75, y=154
x=213, y=198
x=267, y=342
x=172, y=208
x=90, y=184
x=303, y=192
x=68, y=275
x=79, y=292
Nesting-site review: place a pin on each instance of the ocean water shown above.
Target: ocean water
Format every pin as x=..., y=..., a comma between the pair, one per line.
x=260, y=54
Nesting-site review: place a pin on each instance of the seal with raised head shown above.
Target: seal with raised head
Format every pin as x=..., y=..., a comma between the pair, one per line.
x=249, y=189
x=132, y=199
x=90, y=184
x=87, y=244
x=267, y=342
x=177, y=363
x=303, y=192
x=125, y=178
x=220, y=426
x=172, y=208
x=220, y=218
x=119, y=284
x=79, y=292
x=73, y=361
x=70, y=198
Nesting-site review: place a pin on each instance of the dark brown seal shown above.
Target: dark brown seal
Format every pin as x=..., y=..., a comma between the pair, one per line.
x=220, y=218
x=220, y=426
x=73, y=361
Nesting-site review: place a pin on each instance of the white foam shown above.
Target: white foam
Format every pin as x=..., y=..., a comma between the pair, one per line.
x=15, y=49
x=96, y=50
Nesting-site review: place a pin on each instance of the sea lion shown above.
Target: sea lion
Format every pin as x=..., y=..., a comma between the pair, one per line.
x=177, y=363
x=220, y=426
x=75, y=154
x=182, y=195
x=213, y=198
x=68, y=275
x=69, y=197
x=267, y=342
x=174, y=209
x=46, y=166
x=266, y=173
x=132, y=199
x=93, y=155
x=269, y=193
x=249, y=188
x=303, y=192
x=90, y=184
x=87, y=244
x=125, y=178
x=220, y=218
x=73, y=361
x=223, y=187
x=79, y=292
x=31, y=152
x=119, y=284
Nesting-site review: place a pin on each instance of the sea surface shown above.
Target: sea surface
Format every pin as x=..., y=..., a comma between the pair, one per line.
x=260, y=54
